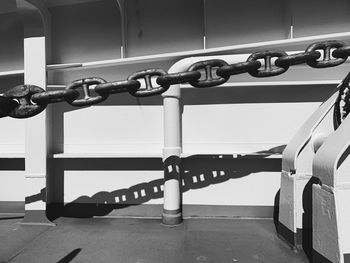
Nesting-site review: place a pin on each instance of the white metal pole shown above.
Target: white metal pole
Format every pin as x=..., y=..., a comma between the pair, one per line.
x=172, y=214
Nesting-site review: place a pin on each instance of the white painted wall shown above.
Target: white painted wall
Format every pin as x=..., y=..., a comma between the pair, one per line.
x=12, y=186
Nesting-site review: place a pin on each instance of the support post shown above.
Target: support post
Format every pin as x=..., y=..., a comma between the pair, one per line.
x=36, y=23
x=172, y=210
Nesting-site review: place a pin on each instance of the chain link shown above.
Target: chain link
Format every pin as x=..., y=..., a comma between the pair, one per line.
x=298, y=58
x=27, y=100
x=25, y=108
x=341, y=52
x=118, y=87
x=208, y=66
x=55, y=96
x=85, y=84
x=178, y=78
x=238, y=68
x=149, y=89
x=326, y=47
x=269, y=70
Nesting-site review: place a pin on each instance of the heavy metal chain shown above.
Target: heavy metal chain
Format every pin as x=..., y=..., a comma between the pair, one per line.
x=25, y=101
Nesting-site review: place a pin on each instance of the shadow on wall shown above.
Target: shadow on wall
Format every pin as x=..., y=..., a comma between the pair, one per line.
x=198, y=171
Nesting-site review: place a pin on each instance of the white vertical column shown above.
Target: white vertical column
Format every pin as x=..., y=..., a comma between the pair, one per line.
x=35, y=135
x=36, y=28
x=172, y=210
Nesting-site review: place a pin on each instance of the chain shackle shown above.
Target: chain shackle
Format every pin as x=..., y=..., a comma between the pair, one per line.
x=269, y=70
x=149, y=90
x=55, y=96
x=209, y=80
x=178, y=78
x=25, y=107
x=326, y=47
x=117, y=87
x=298, y=58
x=85, y=85
x=238, y=68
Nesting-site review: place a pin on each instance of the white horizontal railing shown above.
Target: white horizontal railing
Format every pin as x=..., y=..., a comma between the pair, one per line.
x=242, y=48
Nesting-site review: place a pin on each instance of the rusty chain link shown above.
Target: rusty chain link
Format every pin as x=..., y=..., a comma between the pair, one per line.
x=24, y=108
x=326, y=47
x=55, y=96
x=27, y=100
x=85, y=85
x=118, y=87
x=147, y=76
x=209, y=80
x=269, y=70
x=238, y=68
x=178, y=78
x=342, y=52
x=298, y=58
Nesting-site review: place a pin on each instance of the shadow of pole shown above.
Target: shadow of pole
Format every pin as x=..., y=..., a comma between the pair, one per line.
x=68, y=258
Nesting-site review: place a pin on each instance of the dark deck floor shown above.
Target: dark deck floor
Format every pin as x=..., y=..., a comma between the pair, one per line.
x=145, y=241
